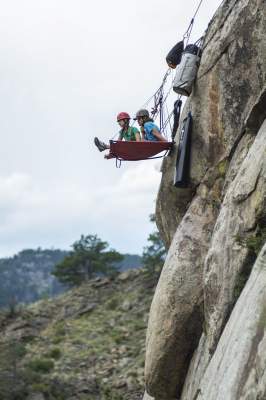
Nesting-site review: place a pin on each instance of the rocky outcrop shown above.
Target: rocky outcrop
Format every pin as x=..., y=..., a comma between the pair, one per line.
x=215, y=228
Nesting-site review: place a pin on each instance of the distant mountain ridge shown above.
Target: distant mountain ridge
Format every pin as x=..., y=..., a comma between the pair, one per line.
x=27, y=276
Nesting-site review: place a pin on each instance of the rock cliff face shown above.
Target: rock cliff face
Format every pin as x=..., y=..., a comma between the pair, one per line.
x=207, y=323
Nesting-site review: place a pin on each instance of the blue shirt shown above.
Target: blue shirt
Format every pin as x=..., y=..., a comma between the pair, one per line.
x=148, y=127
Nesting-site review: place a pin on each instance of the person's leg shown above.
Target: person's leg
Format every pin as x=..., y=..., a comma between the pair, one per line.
x=101, y=145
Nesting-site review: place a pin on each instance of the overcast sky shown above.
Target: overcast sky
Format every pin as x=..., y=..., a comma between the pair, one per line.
x=67, y=68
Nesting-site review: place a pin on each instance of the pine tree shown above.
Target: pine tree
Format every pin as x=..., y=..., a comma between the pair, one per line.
x=90, y=257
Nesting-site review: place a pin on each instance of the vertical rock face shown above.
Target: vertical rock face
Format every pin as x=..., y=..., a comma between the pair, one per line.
x=176, y=312
x=216, y=228
x=241, y=214
x=230, y=83
x=238, y=367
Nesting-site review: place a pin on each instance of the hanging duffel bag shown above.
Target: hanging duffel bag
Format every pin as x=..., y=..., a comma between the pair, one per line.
x=187, y=70
x=174, y=56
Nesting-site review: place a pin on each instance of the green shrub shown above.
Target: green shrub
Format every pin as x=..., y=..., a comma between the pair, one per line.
x=55, y=353
x=31, y=377
x=254, y=242
x=117, y=336
x=112, y=303
x=29, y=339
x=52, y=391
x=40, y=387
x=60, y=329
x=109, y=394
x=58, y=339
x=41, y=365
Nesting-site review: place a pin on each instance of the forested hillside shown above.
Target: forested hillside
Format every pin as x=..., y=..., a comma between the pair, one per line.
x=27, y=276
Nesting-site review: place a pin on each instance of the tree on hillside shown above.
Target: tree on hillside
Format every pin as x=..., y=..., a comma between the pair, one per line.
x=153, y=255
x=90, y=257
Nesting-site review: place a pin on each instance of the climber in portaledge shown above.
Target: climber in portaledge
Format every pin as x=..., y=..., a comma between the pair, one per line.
x=127, y=132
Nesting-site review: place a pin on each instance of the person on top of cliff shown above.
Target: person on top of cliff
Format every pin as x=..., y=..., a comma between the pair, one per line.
x=127, y=132
x=150, y=132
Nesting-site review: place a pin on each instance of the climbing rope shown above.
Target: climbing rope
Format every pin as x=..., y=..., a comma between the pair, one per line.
x=158, y=97
x=188, y=32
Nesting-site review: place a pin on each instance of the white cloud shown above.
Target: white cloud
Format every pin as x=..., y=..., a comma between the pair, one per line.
x=67, y=68
x=30, y=212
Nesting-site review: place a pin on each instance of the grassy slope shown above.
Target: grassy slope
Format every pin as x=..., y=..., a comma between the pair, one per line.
x=87, y=344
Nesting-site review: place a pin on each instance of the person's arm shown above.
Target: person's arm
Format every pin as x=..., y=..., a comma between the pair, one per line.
x=142, y=134
x=158, y=135
x=137, y=136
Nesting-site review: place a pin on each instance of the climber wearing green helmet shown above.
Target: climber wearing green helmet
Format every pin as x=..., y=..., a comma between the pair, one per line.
x=150, y=131
x=127, y=132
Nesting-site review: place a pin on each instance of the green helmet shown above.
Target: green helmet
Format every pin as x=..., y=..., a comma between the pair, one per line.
x=142, y=113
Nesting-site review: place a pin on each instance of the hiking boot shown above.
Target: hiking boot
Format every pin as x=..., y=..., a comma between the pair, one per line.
x=101, y=146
